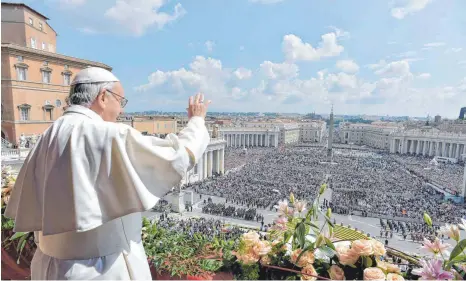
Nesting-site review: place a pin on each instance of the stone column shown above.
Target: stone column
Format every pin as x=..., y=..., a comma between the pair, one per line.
x=222, y=161
x=267, y=140
x=204, y=165
x=450, y=153
x=247, y=140
x=209, y=164
x=418, y=147
x=276, y=140
x=217, y=161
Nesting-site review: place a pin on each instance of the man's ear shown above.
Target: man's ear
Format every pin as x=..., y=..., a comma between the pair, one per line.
x=102, y=95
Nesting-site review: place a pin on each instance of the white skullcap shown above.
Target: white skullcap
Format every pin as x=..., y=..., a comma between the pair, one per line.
x=94, y=75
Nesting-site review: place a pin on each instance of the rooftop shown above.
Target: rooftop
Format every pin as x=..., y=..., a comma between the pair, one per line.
x=18, y=48
x=24, y=6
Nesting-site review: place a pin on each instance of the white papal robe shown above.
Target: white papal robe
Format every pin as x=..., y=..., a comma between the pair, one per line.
x=83, y=187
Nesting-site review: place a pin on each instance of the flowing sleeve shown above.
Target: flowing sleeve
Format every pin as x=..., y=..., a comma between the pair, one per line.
x=82, y=176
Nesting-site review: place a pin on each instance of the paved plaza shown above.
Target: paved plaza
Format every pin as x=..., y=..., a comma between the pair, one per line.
x=365, y=224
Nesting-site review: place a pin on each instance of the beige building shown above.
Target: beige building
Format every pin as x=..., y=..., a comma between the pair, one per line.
x=151, y=125
x=312, y=131
x=35, y=79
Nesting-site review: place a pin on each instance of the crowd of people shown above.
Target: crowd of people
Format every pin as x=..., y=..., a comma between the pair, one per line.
x=237, y=157
x=208, y=227
x=220, y=209
x=415, y=231
x=370, y=182
x=447, y=175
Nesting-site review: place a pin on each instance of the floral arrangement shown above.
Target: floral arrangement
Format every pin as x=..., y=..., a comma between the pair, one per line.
x=443, y=264
x=297, y=248
x=8, y=182
x=178, y=254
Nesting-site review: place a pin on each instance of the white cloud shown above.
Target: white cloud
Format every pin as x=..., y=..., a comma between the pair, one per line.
x=348, y=66
x=395, y=69
x=453, y=50
x=279, y=70
x=424, y=76
x=243, y=73
x=461, y=62
x=378, y=65
x=296, y=50
x=138, y=15
x=340, y=33
x=87, y=30
x=209, y=45
x=434, y=44
x=408, y=7
x=266, y=1
x=241, y=48
x=406, y=54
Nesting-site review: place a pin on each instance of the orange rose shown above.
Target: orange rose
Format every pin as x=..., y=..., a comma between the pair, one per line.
x=373, y=273
x=388, y=267
x=251, y=238
x=266, y=260
x=362, y=247
x=262, y=248
x=394, y=277
x=378, y=247
x=306, y=259
x=347, y=256
x=248, y=258
x=336, y=273
x=308, y=271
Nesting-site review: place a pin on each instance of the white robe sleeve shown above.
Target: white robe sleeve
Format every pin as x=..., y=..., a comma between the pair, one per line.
x=81, y=176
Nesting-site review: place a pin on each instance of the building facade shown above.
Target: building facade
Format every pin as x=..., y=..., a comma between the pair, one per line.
x=250, y=137
x=35, y=79
x=313, y=131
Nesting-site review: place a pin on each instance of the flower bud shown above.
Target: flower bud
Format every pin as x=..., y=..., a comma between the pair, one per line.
x=323, y=187
x=427, y=219
x=291, y=198
x=319, y=240
x=329, y=212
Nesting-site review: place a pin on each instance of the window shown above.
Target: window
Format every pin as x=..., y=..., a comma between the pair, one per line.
x=31, y=22
x=33, y=42
x=46, y=63
x=43, y=46
x=20, y=58
x=195, y=169
x=66, y=79
x=40, y=25
x=46, y=77
x=24, y=112
x=21, y=73
x=66, y=66
x=58, y=103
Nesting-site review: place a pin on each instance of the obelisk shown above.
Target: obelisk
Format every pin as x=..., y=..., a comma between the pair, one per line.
x=330, y=137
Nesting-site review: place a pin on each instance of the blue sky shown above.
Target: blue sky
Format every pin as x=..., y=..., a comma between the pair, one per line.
x=395, y=57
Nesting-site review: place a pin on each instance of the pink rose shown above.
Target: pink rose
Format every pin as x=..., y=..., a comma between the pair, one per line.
x=336, y=273
x=378, y=247
x=347, y=256
x=373, y=273
x=394, y=277
x=362, y=247
x=388, y=267
x=262, y=248
x=308, y=271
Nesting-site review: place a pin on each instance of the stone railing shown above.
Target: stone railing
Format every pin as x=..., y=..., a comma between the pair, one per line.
x=15, y=154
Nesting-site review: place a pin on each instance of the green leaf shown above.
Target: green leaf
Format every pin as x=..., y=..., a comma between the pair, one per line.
x=329, y=252
x=301, y=234
x=459, y=248
x=367, y=261
x=18, y=235
x=327, y=219
x=458, y=259
x=329, y=244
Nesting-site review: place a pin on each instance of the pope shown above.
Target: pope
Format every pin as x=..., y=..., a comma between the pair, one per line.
x=83, y=186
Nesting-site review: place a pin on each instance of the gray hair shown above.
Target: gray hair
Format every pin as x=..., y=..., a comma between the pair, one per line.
x=84, y=94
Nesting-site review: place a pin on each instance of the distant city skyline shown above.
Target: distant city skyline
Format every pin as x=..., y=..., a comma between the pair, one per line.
x=404, y=58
